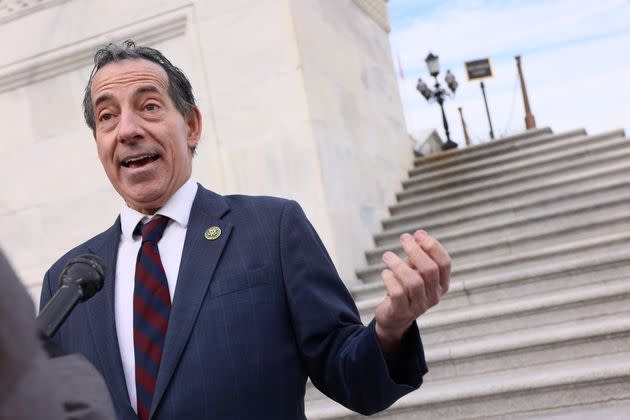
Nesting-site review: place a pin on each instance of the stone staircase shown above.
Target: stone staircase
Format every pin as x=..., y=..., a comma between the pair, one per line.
x=537, y=321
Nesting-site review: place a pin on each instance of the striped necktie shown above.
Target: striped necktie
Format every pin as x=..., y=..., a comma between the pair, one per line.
x=151, y=309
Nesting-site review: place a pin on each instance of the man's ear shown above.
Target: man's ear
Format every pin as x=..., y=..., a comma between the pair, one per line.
x=194, y=123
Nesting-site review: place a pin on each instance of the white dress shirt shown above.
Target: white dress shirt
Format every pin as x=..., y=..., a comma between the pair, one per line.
x=171, y=246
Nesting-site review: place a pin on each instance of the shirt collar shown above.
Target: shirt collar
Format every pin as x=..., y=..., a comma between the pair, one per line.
x=176, y=208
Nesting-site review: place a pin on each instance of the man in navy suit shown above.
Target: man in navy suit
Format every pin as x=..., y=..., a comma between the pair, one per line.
x=249, y=303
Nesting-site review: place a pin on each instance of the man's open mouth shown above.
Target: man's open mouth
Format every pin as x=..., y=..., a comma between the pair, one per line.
x=139, y=161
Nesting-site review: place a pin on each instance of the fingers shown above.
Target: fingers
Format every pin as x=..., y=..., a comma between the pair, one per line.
x=413, y=285
x=438, y=254
x=425, y=266
x=395, y=290
x=411, y=282
x=416, y=284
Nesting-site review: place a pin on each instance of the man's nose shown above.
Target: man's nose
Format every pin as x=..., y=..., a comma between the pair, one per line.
x=129, y=127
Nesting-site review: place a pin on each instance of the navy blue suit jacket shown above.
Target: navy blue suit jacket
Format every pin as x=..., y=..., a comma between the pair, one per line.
x=255, y=312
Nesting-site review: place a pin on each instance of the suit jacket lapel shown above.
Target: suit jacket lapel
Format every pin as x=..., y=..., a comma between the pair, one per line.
x=199, y=260
x=101, y=318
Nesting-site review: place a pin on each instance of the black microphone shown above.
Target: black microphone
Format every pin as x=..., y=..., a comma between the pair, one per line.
x=80, y=279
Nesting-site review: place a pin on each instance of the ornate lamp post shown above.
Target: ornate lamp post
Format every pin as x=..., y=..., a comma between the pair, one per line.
x=438, y=94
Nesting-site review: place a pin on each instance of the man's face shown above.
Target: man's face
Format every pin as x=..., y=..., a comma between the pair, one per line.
x=142, y=139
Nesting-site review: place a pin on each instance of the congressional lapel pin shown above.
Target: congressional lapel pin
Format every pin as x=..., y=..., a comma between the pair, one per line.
x=212, y=233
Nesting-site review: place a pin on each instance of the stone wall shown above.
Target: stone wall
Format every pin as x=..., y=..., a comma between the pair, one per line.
x=298, y=98
x=356, y=119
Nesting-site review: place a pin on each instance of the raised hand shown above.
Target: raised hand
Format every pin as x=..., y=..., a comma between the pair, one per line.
x=414, y=284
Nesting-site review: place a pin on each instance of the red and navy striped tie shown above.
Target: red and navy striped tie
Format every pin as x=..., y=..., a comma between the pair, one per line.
x=151, y=309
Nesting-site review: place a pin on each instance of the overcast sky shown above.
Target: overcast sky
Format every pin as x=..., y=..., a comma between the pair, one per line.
x=575, y=58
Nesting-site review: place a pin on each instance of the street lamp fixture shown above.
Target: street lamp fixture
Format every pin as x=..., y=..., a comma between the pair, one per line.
x=424, y=89
x=449, y=78
x=438, y=94
x=433, y=63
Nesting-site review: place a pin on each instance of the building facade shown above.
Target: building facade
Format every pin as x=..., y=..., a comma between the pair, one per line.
x=299, y=100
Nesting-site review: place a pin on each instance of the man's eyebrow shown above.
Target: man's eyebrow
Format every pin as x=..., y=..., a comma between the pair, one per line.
x=140, y=91
x=102, y=98
x=146, y=89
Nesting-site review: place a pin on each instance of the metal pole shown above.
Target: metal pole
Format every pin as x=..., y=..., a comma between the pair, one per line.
x=530, y=122
x=439, y=95
x=485, y=101
x=448, y=137
x=461, y=117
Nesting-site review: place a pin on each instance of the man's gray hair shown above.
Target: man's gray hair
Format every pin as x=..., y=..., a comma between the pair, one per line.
x=180, y=89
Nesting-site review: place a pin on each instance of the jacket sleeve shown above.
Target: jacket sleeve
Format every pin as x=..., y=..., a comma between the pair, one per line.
x=343, y=358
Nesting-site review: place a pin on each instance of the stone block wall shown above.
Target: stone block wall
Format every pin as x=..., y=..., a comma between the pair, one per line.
x=298, y=99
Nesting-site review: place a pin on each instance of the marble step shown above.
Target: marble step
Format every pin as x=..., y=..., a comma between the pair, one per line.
x=600, y=382
x=509, y=196
x=465, y=291
x=484, y=150
x=609, y=410
x=503, y=213
x=506, y=182
x=552, y=153
x=530, y=347
x=470, y=323
x=524, y=261
x=572, y=340
x=547, y=226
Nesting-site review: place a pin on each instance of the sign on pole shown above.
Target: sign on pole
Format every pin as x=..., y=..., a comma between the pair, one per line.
x=481, y=70
x=478, y=69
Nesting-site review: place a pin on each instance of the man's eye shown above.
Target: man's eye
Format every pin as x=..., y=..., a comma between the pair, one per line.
x=151, y=107
x=106, y=117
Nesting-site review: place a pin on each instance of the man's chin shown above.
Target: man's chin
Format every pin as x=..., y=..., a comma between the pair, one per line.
x=146, y=203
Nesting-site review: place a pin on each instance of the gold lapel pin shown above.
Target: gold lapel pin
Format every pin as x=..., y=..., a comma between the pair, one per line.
x=212, y=233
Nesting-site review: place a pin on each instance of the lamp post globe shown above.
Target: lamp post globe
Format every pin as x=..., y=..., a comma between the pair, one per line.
x=424, y=89
x=449, y=78
x=433, y=64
